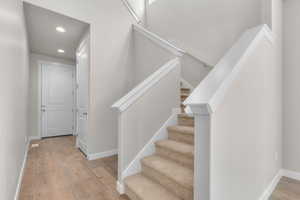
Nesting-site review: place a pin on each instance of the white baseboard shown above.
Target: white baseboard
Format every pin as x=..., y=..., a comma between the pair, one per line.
x=270, y=189
x=105, y=154
x=30, y=138
x=291, y=174
x=22, y=171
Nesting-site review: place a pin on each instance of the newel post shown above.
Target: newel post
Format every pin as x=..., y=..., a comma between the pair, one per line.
x=202, y=152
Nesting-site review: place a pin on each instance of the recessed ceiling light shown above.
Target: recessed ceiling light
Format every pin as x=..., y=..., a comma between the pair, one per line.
x=61, y=51
x=60, y=29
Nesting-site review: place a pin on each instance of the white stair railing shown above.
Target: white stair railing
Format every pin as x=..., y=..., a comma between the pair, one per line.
x=211, y=159
x=143, y=111
x=132, y=11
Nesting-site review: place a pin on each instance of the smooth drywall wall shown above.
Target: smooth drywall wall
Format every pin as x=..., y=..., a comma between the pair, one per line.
x=138, y=126
x=291, y=82
x=14, y=93
x=111, y=33
x=246, y=128
x=277, y=24
x=205, y=28
x=34, y=87
x=148, y=57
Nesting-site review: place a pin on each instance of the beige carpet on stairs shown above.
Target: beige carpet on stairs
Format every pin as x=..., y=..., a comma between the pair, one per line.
x=168, y=174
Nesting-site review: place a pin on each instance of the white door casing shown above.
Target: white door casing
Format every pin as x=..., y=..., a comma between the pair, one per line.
x=58, y=100
x=82, y=72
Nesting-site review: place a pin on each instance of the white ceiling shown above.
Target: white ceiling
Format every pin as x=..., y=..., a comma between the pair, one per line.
x=43, y=37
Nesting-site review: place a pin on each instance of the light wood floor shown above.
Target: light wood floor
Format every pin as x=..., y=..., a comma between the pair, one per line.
x=56, y=170
x=287, y=189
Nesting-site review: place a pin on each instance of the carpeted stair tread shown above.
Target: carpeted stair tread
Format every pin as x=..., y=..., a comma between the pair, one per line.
x=185, y=90
x=182, y=129
x=181, y=175
x=145, y=189
x=186, y=116
x=178, y=147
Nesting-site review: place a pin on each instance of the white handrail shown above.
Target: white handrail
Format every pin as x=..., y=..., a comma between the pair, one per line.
x=132, y=12
x=210, y=92
x=126, y=101
x=158, y=40
x=166, y=44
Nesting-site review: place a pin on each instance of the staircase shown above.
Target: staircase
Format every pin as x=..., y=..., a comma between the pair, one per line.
x=168, y=174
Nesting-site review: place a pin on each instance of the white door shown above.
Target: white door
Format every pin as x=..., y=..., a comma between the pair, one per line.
x=57, y=100
x=82, y=71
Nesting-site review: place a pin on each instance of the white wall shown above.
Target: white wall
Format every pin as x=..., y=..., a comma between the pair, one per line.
x=245, y=147
x=291, y=82
x=137, y=127
x=206, y=28
x=193, y=71
x=34, y=87
x=14, y=93
x=277, y=28
x=147, y=57
x=110, y=62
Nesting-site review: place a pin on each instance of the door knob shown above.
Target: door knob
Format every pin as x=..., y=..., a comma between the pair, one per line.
x=43, y=110
x=85, y=113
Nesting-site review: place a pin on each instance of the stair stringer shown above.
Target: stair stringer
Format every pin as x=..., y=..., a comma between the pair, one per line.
x=149, y=149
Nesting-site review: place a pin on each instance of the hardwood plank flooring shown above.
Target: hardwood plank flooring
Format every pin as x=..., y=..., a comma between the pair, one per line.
x=287, y=189
x=57, y=170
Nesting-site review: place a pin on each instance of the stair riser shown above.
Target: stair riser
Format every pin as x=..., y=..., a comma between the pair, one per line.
x=180, y=137
x=168, y=183
x=131, y=194
x=182, y=159
x=184, y=90
x=183, y=98
x=185, y=122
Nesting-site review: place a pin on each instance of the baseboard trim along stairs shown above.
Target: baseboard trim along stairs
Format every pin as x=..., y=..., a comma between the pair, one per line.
x=166, y=171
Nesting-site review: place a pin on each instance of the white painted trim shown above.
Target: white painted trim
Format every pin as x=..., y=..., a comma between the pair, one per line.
x=126, y=101
x=149, y=149
x=291, y=174
x=167, y=45
x=30, y=138
x=82, y=146
x=210, y=92
x=186, y=84
x=158, y=40
x=22, y=171
x=120, y=187
x=132, y=12
x=105, y=154
x=271, y=187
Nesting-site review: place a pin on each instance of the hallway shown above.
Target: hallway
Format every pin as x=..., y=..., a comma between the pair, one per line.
x=57, y=170
x=287, y=189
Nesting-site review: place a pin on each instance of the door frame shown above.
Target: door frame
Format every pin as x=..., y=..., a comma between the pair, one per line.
x=40, y=88
x=86, y=39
